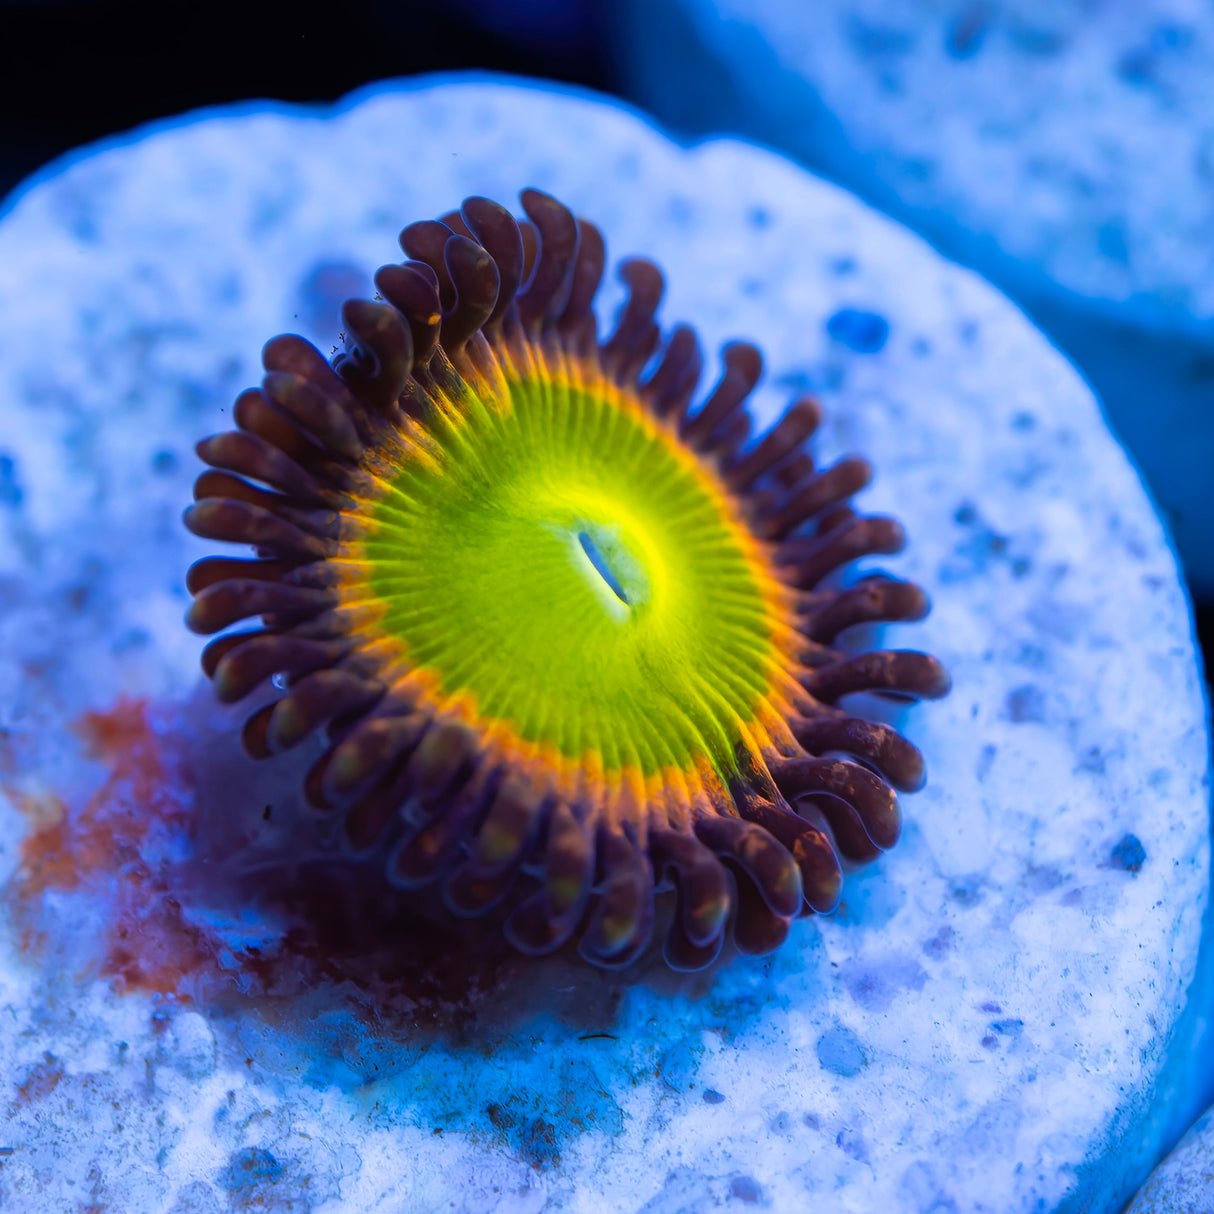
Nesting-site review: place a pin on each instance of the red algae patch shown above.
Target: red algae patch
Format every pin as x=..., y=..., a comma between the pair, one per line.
x=188, y=873
x=113, y=850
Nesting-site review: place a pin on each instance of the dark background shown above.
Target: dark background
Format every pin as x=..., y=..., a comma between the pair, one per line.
x=72, y=71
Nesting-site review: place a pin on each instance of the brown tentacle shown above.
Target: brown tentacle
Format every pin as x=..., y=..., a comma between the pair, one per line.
x=378, y=357
x=880, y=745
x=901, y=671
x=498, y=234
x=669, y=390
x=810, y=560
x=632, y=344
x=547, y=919
x=622, y=924
x=743, y=366
x=824, y=489
x=425, y=241
x=871, y=600
x=547, y=290
x=413, y=290
x=477, y=282
x=789, y=433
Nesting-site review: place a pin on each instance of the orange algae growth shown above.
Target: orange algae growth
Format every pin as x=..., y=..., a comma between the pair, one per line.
x=156, y=880
x=105, y=852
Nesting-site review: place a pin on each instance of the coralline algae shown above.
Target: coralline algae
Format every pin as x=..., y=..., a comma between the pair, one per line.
x=981, y=1025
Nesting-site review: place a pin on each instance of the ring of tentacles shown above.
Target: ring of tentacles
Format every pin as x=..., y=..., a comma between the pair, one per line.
x=569, y=638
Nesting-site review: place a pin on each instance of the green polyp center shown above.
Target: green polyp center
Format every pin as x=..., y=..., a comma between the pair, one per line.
x=557, y=559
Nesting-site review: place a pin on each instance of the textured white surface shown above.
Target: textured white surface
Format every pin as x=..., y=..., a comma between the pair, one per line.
x=1184, y=1182
x=992, y=998
x=1095, y=116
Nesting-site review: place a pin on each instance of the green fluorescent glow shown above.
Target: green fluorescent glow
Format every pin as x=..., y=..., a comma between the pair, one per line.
x=564, y=566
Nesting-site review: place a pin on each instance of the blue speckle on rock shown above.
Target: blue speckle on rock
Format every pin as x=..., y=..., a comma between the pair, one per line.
x=967, y=32
x=840, y=1051
x=864, y=332
x=252, y=1166
x=746, y=1189
x=1026, y=704
x=1129, y=853
x=10, y=490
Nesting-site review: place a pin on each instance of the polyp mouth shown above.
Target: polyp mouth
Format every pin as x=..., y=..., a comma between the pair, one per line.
x=610, y=568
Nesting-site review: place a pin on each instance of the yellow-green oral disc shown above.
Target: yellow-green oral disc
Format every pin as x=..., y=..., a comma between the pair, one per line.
x=556, y=556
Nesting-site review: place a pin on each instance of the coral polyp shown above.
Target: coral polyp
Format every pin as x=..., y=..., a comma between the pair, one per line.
x=568, y=634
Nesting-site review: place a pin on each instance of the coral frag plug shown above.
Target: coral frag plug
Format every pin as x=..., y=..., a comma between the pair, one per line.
x=569, y=638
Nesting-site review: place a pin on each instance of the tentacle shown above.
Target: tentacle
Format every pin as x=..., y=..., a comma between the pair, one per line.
x=253, y=414
x=743, y=366
x=249, y=664
x=809, y=560
x=315, y=700
x=704, y=898
x=430, y=849
x=211, y=570
x=547, y=291
x=222, y=605
x=785, y=437
x=547, y=919
x=498, y=234
x=625, y=353
x=669, y=390
x=824, y=489
x=370, y=750
x=760, y=856
x=317, y=413
x=877, y=744
x=239, y=522
x=222, y=486
x=512, y=826
x=477, y=281
x=757, y=929
x=809, y=846
x=413, y=290
x=577, y=322
x=903, y=672
x=829, y=780
x=378, y=356
x=425, y=241
x=622, y=924
x=871, y=600
x=251, y=455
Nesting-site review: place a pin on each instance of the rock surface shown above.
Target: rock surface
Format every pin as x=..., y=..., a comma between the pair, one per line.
x=1064, y=148
x=1184, y=1182
x=982, y=1023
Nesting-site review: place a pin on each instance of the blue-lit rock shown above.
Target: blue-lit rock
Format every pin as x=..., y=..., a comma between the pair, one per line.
x=990, y=1009
x=1184, y=1182
x=1063, y=149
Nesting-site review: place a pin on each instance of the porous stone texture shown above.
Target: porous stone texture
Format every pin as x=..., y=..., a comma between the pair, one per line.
x=1184, y=1182
x=1064, y=148
x=981, y=1024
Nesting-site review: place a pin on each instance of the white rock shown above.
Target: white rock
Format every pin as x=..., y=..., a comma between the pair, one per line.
x=1064, y=148
x=1184, y=1182
x=992, y=1004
